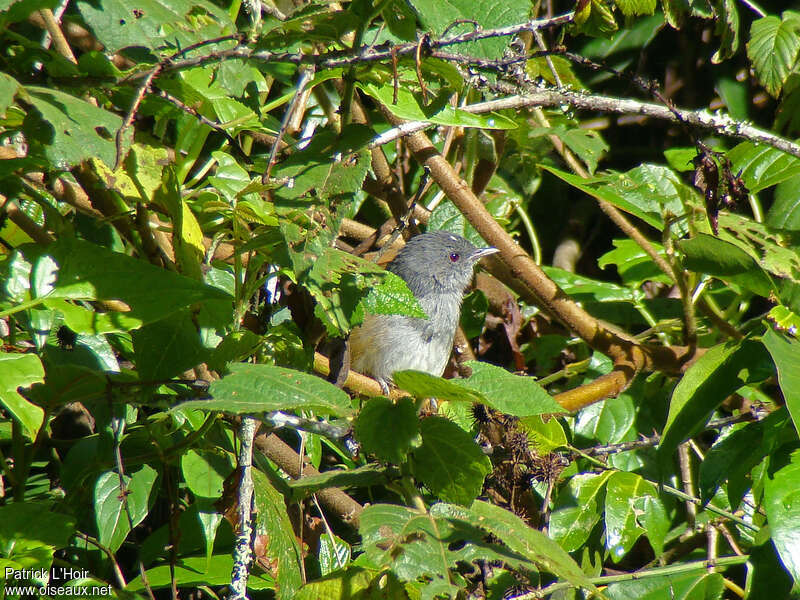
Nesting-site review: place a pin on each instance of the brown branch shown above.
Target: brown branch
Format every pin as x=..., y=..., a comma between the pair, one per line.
x=287, y=459
x=522, y=274
x=54, y=29
x=25, y=223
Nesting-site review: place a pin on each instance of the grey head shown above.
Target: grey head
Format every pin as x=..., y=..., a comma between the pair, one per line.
x=437, y=262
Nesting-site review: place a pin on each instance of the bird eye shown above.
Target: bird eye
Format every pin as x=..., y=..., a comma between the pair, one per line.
x=454, y=256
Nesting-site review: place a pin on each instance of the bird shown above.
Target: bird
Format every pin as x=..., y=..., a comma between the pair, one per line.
x=437, y=267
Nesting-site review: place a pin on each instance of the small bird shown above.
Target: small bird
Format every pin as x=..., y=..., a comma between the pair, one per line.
x=437, y=267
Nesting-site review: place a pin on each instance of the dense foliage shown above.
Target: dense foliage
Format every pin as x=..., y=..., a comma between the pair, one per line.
x=193, y=197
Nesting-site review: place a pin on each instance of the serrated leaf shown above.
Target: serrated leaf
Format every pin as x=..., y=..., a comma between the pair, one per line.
x=515, y=395
x=785, y=211
x=437, y=16
x=331, y=165
x=388, y=430
x=773, y=47
x=196, y=571
x=727, y=27
x=90, y=272
x=649, y=192
x=251, y=389
x=274, y=529
x=586, y=143
x=529, y=542
x=392, y=297
x=633, y=8
x=449, y=462
x=762, y=166
x=425, y=385
x=633, y=265
x=409, y=107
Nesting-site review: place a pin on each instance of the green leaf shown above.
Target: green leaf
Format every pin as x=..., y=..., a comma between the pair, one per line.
x=545, y=436
x=773, y=47
x=90, y=272
x=251, y=389
x=111, y=517
x=274, y=527
x=405, y=539
x=392, y=297
x=708, y=254
x=425, y=385
x=21, y=370
x=195, y=571
x=473, y=313
x=70, y=129
x=30, y=532
x=117, y=25
x=633, y=8
x=721, y=371
x=607, y=422
x=204, y=471
x=334, y=554
x=168, y=347
x=727, y=27
x=515, y=395
x=449, y=462
x=785, y=320
x=409, y=107
x=388, y=430
x=13, y=11
x=782, y=504
x=653, y=517
x=437, y=16
x=586, y=143
x=596, y=18
x=687, y=586
x=785, y=352
x=735, y=453
x=330, y=165
x=762, y=166
x=578, y=510
x=364, y=476
x=649, y=192
x=785, y=211
x=633, y=265
x=622, y=527
x=529, y=542
x=355, y=582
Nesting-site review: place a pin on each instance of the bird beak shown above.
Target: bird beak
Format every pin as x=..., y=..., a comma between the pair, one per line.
x=481, y=252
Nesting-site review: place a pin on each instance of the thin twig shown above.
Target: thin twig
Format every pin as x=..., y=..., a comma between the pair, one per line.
x=305, y=77
x=345, y=58
x=131, y=114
